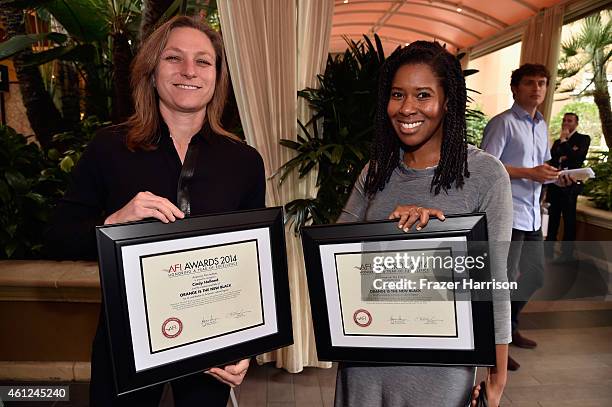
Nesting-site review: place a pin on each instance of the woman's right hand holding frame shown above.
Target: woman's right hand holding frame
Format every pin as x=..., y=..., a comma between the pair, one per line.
x=146, y=205
x=409, y=214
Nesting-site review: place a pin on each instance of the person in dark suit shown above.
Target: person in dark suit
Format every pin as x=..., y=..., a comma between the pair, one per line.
x=567, y=152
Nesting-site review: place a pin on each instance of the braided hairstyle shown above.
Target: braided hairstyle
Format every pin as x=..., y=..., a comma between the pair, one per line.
x=386, y=147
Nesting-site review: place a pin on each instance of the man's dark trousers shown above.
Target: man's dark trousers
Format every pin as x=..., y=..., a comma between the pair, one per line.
x=526, y=267
x=562, y=202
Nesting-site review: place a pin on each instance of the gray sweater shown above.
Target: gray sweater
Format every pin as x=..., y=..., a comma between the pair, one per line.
x=486, y=190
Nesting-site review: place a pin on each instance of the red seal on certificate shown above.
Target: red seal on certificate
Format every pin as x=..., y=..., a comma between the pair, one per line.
x=172, y=327
x=362, y=317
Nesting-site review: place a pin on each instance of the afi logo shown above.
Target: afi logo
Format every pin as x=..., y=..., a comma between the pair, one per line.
x=362, y=318
x=172, y=327
x=174, y=267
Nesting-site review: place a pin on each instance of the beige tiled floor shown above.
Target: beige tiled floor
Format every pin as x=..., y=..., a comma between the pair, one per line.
x=570, y=367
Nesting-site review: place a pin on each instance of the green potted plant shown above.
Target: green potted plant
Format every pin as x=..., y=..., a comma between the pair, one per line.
x=599, y=189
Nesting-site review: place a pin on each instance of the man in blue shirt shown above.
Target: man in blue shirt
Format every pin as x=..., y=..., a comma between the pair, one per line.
x=518, y=137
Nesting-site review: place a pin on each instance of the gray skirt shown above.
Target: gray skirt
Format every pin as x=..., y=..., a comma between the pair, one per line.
x=403, y=386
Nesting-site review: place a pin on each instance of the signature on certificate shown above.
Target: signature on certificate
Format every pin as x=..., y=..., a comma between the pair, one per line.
x=429, y=320
x=239, y=314
x=209, y=321
x=399, y=320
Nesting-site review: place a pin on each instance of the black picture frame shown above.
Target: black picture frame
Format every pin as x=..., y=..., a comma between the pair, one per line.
x=473, y=227
x=113, y=239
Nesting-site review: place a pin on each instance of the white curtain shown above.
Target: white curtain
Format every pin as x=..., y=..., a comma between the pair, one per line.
x=541, y=44
x=274, y=48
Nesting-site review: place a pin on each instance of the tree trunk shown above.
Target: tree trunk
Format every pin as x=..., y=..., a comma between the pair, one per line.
x=123, y=105
x=70, y=98
x=45, y=119
x=602, y=100
x=153, y=10
x=96, y=98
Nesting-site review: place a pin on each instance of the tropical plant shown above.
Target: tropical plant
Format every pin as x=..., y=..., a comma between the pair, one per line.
x=96, y=42
x=157, y=11
x=24, y=211
x=475, y=117
x=344, y=107
x=31, y=181
x=152, y=13
x=67, y=148
x=599, y=189
x=591, y=48
x=476, y=123
x=45, y=119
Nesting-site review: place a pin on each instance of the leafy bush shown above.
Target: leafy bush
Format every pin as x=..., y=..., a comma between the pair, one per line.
x=599, y=189
x=31, y=181
x=67, y=148
x=24, y=195
x=476, y=123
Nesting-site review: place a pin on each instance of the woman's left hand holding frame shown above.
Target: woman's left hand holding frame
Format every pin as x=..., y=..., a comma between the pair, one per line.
x=232, y=375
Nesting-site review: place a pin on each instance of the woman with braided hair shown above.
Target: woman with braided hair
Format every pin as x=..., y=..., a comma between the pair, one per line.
x=420, y=160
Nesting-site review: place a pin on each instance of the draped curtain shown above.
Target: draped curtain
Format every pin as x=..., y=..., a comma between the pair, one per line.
x=274, y=48
x=541, y=43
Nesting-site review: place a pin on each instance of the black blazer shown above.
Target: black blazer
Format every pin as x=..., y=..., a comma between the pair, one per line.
x=574, y=150
x=227, y=175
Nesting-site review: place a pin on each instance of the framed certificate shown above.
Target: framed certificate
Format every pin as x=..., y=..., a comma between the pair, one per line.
x=196, y=293
x=381, y=295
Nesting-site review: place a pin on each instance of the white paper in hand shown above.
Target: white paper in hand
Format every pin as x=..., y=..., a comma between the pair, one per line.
x=579, y=174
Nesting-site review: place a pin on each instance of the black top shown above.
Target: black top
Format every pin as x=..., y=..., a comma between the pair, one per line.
x=575, y=150
x=224, y=175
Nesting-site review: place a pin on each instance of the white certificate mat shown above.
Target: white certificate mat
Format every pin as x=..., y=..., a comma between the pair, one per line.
x=416, y=320
x=194, y=295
